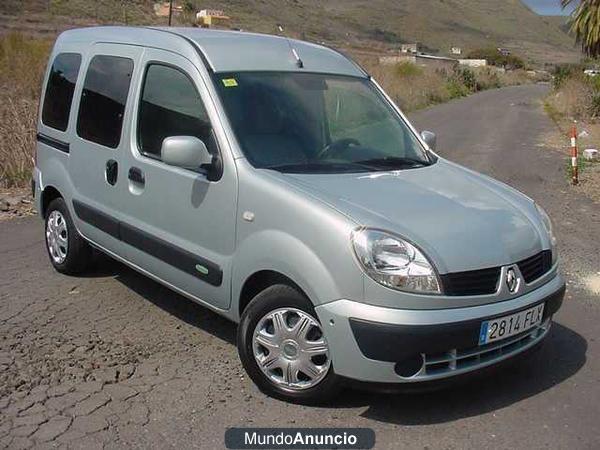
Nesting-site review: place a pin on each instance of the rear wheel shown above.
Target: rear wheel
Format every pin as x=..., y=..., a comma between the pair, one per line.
x=283, y=348
x=69, y=253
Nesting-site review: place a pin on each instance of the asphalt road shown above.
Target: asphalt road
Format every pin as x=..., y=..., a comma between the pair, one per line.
x=114, y=360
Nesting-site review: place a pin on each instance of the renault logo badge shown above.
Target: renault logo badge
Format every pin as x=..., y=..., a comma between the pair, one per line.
x=512, y=282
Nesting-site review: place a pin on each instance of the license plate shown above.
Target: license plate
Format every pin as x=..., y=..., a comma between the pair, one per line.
x=505, y=327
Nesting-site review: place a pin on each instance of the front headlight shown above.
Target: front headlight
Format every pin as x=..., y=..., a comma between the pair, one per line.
x=394, y=262
x=550, y=229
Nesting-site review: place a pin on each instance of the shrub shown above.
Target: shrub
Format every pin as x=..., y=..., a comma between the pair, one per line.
x=408, y=70
x=495, y=58
x=562, y=72
x=594, y=109
x=456, y=89
x=487, y=78
x=467, y=78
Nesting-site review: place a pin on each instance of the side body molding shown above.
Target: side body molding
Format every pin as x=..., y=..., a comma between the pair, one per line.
x=175, y=256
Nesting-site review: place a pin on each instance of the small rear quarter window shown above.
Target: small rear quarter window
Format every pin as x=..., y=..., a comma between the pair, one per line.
x=59, y=90
x=103, y=99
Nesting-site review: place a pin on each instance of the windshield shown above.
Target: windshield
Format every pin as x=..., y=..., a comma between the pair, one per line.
x=314, y=123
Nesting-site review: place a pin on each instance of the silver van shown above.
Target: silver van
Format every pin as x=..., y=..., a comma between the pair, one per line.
x=274, y=182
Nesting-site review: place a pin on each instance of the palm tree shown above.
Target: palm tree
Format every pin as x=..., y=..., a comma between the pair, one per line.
x=585, y=24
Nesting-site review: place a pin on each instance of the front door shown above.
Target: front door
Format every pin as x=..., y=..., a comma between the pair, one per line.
x=178, y=224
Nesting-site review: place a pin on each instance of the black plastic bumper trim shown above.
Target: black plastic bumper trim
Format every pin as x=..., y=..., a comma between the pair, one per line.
x=54, y=143
x=394, y=343
x=173, y=255
x=97, y=219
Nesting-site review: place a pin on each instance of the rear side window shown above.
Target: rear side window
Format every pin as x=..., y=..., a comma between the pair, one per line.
x=59, y=90
x=170, y=106
x=103, y=99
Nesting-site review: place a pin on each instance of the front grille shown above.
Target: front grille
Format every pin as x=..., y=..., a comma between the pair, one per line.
x=485, y=281
x=473, y=282
x=456, y=361
x=534, y=267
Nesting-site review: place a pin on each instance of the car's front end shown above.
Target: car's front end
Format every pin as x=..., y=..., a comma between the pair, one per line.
x=454, y=281
x=459, y=273
x=415, y=268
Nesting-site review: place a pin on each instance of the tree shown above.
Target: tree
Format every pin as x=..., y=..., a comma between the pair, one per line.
x=495, y=58
x=585, y=24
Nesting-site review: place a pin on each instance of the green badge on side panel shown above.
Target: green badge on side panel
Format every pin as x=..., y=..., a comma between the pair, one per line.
x=200, y=268
x=229, y=82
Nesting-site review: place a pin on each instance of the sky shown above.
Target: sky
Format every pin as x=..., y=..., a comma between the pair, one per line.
x=547, y=7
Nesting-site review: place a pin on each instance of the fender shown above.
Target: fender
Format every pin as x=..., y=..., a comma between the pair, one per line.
x=291, y=257
x=56, y=175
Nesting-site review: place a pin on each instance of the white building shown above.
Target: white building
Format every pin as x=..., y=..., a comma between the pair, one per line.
x=409, y=48
x=473, y=62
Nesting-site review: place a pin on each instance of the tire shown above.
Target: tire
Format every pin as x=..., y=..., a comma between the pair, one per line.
x=69, y=253
x=294, y=309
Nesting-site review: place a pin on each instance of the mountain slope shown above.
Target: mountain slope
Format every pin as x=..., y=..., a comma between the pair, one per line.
x=376, y=25
x=438, y=24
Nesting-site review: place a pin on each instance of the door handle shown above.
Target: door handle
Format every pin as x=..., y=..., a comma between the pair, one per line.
x=136, y=175
x=112, y=171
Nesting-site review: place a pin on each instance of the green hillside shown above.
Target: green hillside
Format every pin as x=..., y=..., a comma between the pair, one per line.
x=375, y=25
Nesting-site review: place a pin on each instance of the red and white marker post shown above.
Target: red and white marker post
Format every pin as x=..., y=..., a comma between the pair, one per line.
x=575, y=175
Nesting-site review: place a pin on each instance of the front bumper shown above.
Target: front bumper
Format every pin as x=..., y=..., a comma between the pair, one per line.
x=384, y=345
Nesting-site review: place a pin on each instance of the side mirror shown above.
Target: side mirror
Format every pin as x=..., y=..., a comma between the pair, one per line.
x=430, y=139
x=188, y=152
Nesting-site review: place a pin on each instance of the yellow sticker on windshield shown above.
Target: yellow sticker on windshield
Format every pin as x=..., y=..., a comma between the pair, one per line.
x=229, y=82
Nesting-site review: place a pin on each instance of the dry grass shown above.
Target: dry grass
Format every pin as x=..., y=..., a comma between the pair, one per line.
x=589, y=171
x=414, y=87
x=410, y=86
x=573, y=100
x=17, y=140
x=577, y=97
x=22, y=63
x=520, y=76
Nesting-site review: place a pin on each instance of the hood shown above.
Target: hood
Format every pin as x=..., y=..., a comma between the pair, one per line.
x=461, y=219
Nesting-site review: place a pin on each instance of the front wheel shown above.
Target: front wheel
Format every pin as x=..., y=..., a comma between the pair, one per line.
x=283, y=348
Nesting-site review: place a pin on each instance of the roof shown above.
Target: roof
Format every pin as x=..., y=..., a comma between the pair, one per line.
x=227, y=51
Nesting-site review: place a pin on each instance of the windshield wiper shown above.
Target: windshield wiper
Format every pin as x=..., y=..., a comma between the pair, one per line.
x=323, y=167
x=393, y=162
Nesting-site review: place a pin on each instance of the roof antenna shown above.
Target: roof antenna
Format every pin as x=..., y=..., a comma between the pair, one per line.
x=299, y=62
